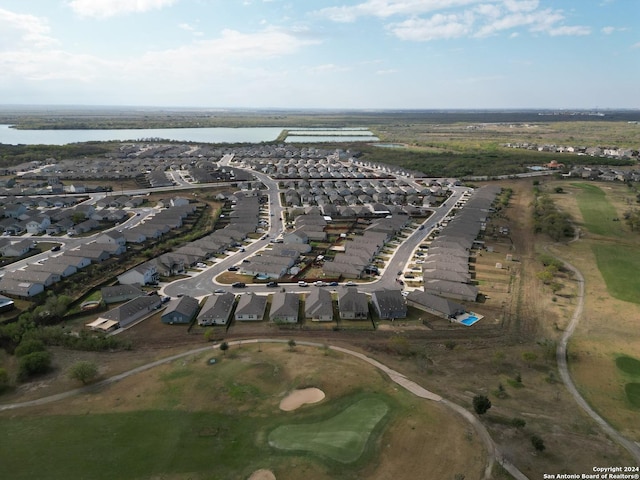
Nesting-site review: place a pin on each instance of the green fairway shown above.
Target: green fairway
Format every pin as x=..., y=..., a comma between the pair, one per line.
x=597, y=212
x=633, y=393
x=619, y=266
x=342, y=437
x=628, y=365
x=125, y=445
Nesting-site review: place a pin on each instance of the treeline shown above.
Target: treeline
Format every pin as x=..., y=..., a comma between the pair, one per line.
x=11, y=155
x=489, y=162
x=549, y=220
x=28, y=339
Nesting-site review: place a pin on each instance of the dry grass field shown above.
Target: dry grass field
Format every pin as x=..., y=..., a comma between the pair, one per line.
x=609, y=327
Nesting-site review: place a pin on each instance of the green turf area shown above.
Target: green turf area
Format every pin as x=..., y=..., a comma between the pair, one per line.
x=633, y=393
x=619, y=266
x=597, y=212
x=143, y=444
x=628, y=365
x=342, y=437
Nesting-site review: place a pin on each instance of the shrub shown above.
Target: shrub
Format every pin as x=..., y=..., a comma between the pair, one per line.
x=537, y=443
x=28, y=346
x=34, y=363
x=83, y=371
x=4, y=379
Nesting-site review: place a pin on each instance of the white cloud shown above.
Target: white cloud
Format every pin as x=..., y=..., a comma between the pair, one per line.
x=24, y=31
x=388, y=8
x=111, y=8
x=636, y=45
x=458, y=18
x=436, y=27
x=576, y=30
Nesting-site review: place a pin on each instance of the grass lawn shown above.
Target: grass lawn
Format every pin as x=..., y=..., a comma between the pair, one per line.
x=628, y=365
x=619, y=266
x=342, y=437
x=633, y=393
x=140, y=444
x=597, y=212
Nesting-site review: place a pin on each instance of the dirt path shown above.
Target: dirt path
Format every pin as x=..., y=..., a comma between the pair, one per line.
x=561, y=358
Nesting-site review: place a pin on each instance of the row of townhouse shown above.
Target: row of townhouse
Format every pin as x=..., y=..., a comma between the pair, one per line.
x=242, y=222
x=36, y=277
x=358, y=252
x=446, y=269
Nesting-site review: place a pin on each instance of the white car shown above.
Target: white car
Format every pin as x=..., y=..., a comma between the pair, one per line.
x=302, y=284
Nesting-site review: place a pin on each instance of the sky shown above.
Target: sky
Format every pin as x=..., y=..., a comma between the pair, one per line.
x=333, y=54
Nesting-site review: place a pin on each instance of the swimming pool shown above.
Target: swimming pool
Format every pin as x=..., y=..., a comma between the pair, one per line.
x=470, y=320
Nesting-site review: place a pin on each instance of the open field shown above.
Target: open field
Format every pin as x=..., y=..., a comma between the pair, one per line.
x=609, y=326
x=190, y=419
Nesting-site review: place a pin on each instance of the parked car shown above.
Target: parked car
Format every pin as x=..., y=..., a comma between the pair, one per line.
x=350, y=284
x=219, y=290
x=333, y=284
x=55, y=248
x=272, y=284
x=238, y=285
x=233, y=269
x=319, y=283
x=302, y=284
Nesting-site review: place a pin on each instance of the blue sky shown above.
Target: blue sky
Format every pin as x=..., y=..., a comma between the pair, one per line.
x=362, y=54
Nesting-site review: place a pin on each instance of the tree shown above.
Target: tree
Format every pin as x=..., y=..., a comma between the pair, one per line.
x=481, y=404
x=537, y=443
x=224, y=346
x=292, y=344
x=83, y=371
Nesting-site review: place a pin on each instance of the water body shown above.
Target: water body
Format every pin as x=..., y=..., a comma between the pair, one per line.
x=12, y=136
x=330, y=138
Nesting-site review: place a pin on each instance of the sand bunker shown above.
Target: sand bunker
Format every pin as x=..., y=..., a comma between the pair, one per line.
x=297, y=398
x=262, y=474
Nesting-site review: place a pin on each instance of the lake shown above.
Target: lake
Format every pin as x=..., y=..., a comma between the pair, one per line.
x=12, y=136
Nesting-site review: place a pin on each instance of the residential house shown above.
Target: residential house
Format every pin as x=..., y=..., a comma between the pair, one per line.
x=389, y=304
x=318, y=305
x=435, y=305
x=217, y=309
x=20, y=288
x=251, y=307
x=112, y=237
x=180, y=310
x=284, y=307
x=120, y=293
x=17, y=249
x=353, y=305
x=45, y=278
x=128, y=312
x=143, y=274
